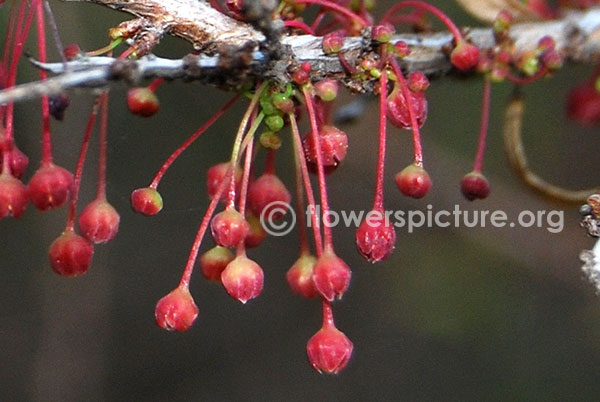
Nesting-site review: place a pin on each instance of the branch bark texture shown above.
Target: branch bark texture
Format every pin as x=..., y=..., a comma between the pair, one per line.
x=233, y=51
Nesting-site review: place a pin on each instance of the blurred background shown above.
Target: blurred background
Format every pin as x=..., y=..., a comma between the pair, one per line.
x=455, y=314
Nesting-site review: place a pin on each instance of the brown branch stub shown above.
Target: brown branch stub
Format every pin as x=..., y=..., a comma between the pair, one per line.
x=193, y=20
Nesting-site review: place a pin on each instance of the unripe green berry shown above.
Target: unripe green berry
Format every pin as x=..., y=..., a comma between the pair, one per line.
x=274, y=122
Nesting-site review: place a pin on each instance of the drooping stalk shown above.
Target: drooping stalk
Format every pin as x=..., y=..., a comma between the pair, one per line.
x=429, y=8
x=328, y=242
x=378, y=202
x=80, y=162
x=167, y=164
x=41, y=36
x=301, y=160
x=101, y=192
x=418, y=149
x=483, y=127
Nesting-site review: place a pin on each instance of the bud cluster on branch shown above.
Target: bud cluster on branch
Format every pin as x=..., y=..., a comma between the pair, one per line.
x=284, y=65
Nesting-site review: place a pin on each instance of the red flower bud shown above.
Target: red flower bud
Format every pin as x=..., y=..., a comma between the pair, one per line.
x=503, y=21
x=214, y=261
x=13, y=196
x=71, y=51
x=256, y=234
x=243, y=279
x=382, y=33
x=583, y=104
x=147, y=201
x=176, y=311
x=474, y=186
x=142, y=101
x=99, y=221
x=18, y=162
x=299, y=276
x=265, y=191
x=401, y=48
x=215, y=176
x=417, y=81
x=50, y=186
x=329, y=350
x=333, y=42
x=70, y=254
x=333, y=143
x=464, y=56
x=229, y=228
x=413, y=181
x=327, y=90
x=331, y=276
x=375, y=237
x=397, y=108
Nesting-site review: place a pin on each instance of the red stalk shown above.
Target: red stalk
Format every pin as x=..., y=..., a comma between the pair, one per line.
x=328, y=242
x=413, y=119
x=427, y=7
x=80, y=161
x=165, y=166
x=299, y=152
x=339, y=9
x=483, y=127
x=378, y=203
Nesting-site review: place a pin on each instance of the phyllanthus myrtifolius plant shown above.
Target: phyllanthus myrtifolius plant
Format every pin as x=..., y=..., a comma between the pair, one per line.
x=241, y=191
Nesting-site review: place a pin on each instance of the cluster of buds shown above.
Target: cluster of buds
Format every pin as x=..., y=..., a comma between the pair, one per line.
x=247, y=199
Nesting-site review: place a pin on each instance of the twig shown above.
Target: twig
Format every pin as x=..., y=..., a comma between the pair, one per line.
x=577, y=37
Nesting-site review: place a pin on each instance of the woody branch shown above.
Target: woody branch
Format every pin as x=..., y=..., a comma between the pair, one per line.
x=233, y=51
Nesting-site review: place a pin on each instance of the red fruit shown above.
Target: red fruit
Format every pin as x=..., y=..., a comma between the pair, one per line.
x=215, y=176
x=464, y=56
x=397, y=108
x=329, y=350
x=243, y=279
x=70, y=254
x=99, y=221
x=299, y=276
x=229, y=228
x=375, y=237
x=256, y=234
x=18, y=162
x=176, y=311
x=333, y=143
x=474, y=186
x=50, y=186
x=266, y=196
x=583, y=104
x=13, y=196
x=331, y=276
x=147, y=201
x=214, y=261
x=413, y=181
x=142, y=101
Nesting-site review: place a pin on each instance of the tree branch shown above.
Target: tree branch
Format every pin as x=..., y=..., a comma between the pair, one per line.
x=235, y=56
